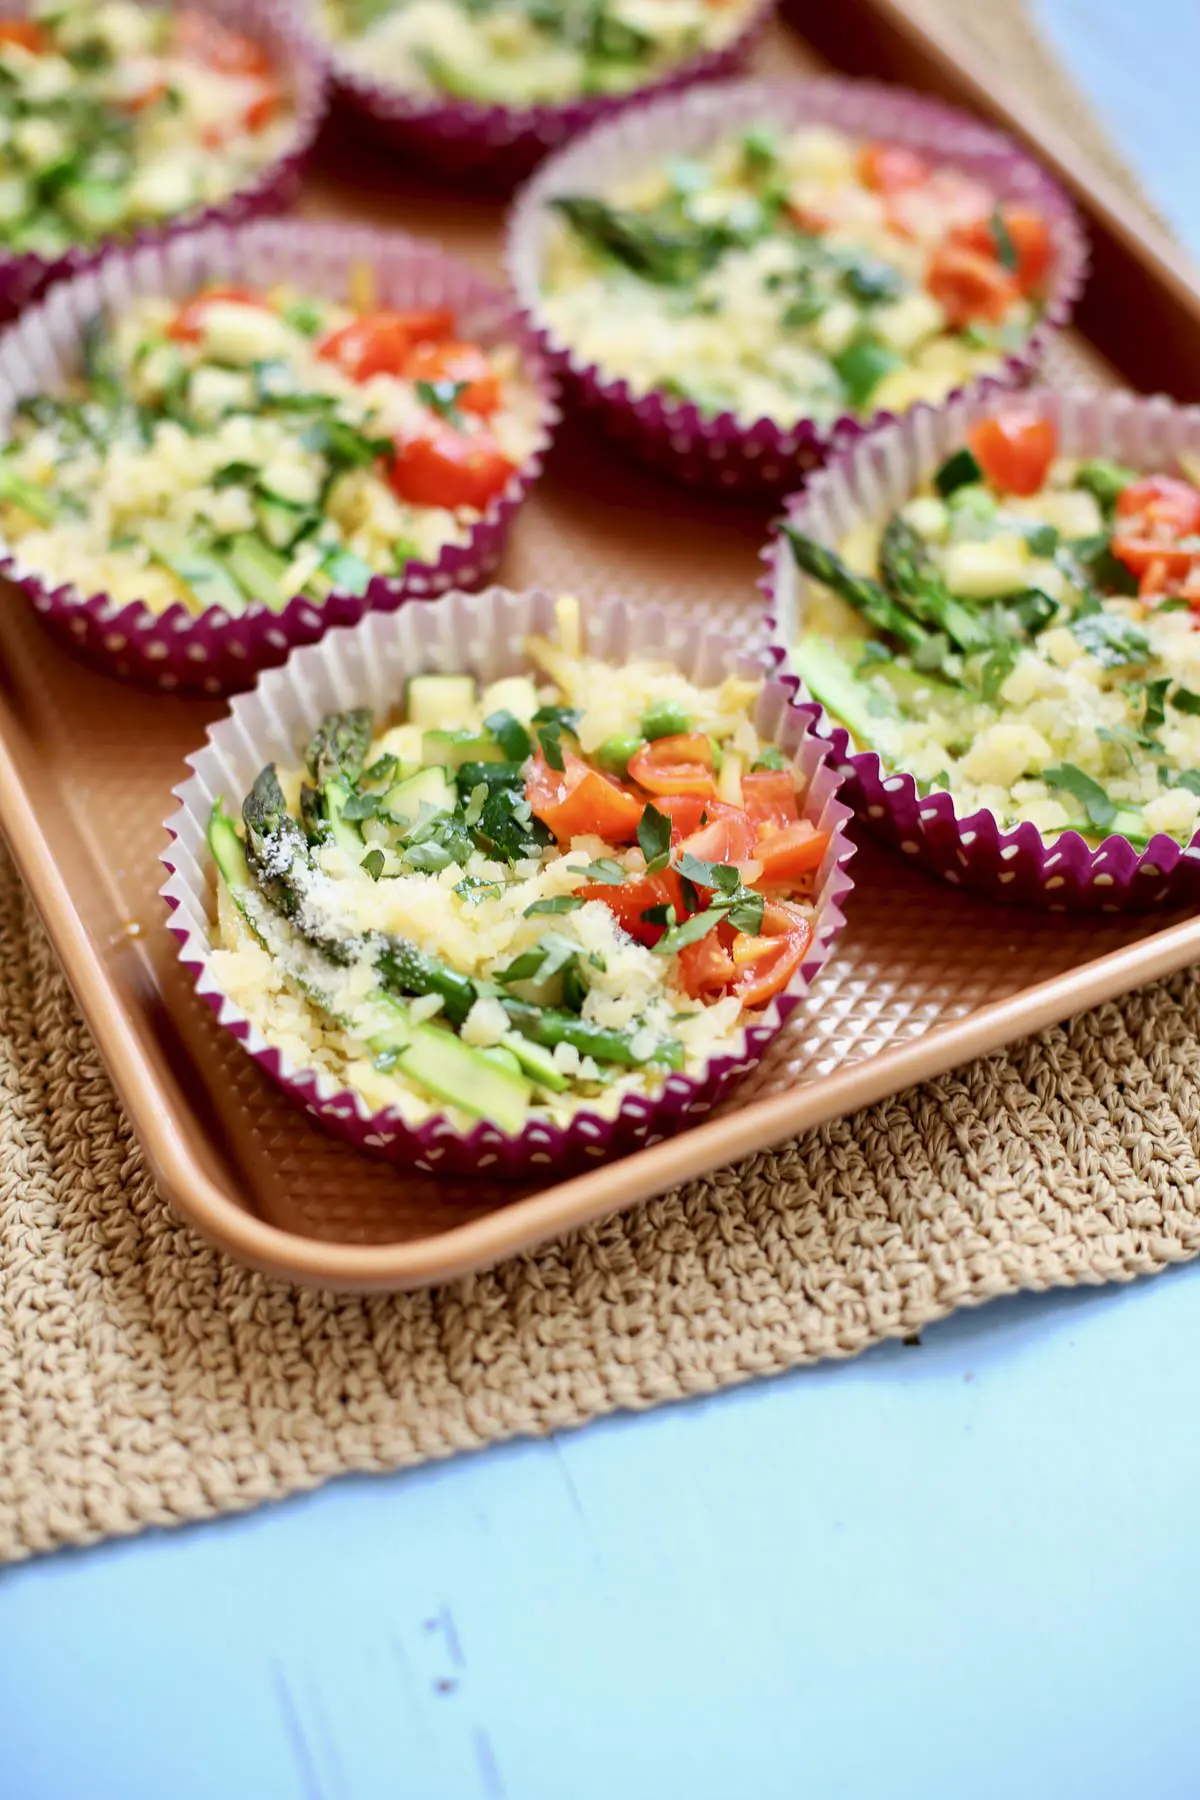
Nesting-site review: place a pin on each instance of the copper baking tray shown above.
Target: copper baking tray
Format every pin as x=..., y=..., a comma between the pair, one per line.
x=923, y=979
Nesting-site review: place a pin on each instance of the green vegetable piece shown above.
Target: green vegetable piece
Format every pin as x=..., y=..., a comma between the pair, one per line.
x=760, y=149
x=862, y=365
x=1105, y=479
x=16, y=490
x=1184, y=700
x=616, y=753
x=1006, y=250
x=959, y=470
x=830, y=678
x=338, y=747
x=1067, y=779
x=557, y=903
x=654, y=838
x=550, y=1026
x=769, y=757
x=511, y=736
x=911, y=576
x=1112, y=640
x=664, y=719
x=868, y=597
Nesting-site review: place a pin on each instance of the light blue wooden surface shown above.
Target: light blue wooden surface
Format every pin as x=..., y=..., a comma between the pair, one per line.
x=963, y=1571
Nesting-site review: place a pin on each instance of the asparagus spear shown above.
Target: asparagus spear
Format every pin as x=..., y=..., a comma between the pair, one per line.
x=550, y=1025
x=868, y=597
x=910, y=576
x=339, y=746
x=669, y=255
x=279, y=856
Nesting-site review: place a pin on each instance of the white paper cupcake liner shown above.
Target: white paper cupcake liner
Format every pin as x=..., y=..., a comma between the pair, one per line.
x=215, y=652
x=722, y=450
x=270, y=189
x=484, y=633
x=864, y=483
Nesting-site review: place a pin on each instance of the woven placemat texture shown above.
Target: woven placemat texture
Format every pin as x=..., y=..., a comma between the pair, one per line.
x=145, y=1379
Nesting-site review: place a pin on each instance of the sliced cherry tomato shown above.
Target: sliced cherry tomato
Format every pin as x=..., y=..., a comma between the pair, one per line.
x=769, y=796
x=380, y=343
x=25, y=32
x=198, y=34
x=949, y=198
x=707, y=967
x=451, y=468
x=688, y=812
x=890, y=168
x=267, y=105
x=145, y=98
x=675, y=765
x=578, y=801
x=766, y=963
x=815, y=220
x=1153, y=515
x=729, y=839
x=463, y=364
x=796, y=850
x=1029, y=235
x=1014, y=449
x=969, y=286
x=187, y=327
x=629, y=901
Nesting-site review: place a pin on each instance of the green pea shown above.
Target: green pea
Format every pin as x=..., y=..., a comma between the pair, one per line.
x=665, y=720
x=770, y=758
x=615, y=753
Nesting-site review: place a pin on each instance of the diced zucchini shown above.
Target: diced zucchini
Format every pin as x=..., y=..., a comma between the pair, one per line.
x=258, y=569
x=986, y=570
x=515, y=694
x=208, y=580
x=439, y=1062
x=96, y=207
x=346, y=834
x=16, y=197
x=831, y=680
x=279, y=520
x=451, y=749
x=17, y=491
x=959, y=470
x=538, y=1063
x=428, y=787
x=440, y=702
x=928, y=518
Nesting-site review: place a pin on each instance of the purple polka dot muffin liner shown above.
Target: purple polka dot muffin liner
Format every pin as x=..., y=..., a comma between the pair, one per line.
x=864, y=483
x=500, y=145
x=486, y=634
x=273, y=188
x=758, y=458
x=216, y=652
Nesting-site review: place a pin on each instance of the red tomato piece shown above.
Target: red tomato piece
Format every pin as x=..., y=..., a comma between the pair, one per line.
x=1153, y=515
x=949, y=198
x=380, y=343
x=766, y=963
x=464, y=364
x=796, y=850
x=451, y=468
x=577, y=801
x=187, y=327
x=769, y=796
x=890, y=168
x=267, y=105
x=706, y=967
x=969, y=286
x=200, y=35
x=676, y=765
x=1029, y=235
x=1014, y=449
x=25, y=32
x=629, y=901
x=729, y=839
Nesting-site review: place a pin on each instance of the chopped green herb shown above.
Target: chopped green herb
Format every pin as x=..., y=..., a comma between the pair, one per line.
x=557, y=903
x=510, y=734
x=1067, y=779
x=605, y=870
x=1184, y=700
x=372, y=862
x=1006, y=250
x=654, y=838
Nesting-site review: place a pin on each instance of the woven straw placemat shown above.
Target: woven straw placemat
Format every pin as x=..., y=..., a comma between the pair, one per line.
x=146, y=1380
